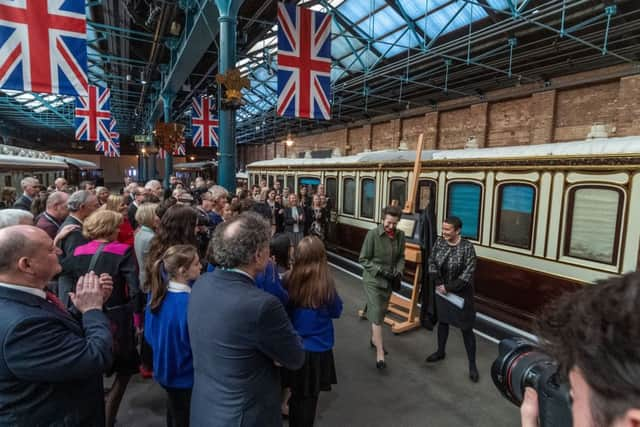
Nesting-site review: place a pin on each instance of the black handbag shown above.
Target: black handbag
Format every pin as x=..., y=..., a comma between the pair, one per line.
x=396, y=283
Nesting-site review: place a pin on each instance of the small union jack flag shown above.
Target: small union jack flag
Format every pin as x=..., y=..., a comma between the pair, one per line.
x=181, y=150
x=110, y=148
x=204, y=125
x=93, y=115
x=304, y=63
x=43, y=46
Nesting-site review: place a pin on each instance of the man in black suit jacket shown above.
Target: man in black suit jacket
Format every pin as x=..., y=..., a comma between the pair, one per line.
x=138, y=197
x=51, y=364
x=30, y=188
x=239, y=333
x=81, y=204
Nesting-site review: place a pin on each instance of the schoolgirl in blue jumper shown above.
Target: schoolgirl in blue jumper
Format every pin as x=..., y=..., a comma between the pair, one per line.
x=166, y=328
x=313, y=304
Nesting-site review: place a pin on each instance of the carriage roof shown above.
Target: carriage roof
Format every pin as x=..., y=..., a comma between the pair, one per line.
x=585, y=148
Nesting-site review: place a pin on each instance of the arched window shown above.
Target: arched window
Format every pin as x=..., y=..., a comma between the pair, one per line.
x=349, y=196
x=594, y=222
x=367, y=198
x=464, y=201
x=514, y=221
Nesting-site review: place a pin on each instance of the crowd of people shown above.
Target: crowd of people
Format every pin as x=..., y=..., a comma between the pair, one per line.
x=251, y=338
x=227, y=301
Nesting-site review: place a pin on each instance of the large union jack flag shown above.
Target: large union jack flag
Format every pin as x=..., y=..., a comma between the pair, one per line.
x=43, y=46
x=204, y=125
x=93, y=115
x=304, y=63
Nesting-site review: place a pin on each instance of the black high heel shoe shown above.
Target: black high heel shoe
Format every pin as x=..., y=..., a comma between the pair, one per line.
x=473, y=374
x=380, y=364
x=374, y=346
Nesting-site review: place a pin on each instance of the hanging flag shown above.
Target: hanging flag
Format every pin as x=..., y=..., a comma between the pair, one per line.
x=204, y=125
x=93, y=115
x=181, y=150
x=110, y=148
x=43, y=46
x=304, y=63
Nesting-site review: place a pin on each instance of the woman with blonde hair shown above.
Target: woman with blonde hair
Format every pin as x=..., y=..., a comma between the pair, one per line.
x=313, y=304
x=166, y=328
x=103, y=254
x=116, y=203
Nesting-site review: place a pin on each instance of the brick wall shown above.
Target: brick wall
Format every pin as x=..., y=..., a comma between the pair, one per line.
x=514, y=116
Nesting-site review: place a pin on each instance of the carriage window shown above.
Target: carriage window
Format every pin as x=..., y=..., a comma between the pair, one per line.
x=397, y=192
x=464, y=202
x=593, y=223
x=349, y=196
x=7, y=180
x=426, y=195
x=331, y=190
x=270, y=181
x=280, y=179
x=290, y=182
x=515, y=215
x=368, y=198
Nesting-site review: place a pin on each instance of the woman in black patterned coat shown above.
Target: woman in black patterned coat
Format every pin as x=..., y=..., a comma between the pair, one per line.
x=451, y=268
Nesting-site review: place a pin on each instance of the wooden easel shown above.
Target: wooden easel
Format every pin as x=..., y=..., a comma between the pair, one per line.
x=407, y=311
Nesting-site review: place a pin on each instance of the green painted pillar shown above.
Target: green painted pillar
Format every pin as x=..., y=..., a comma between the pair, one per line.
x=228, y=11
x=167, y=100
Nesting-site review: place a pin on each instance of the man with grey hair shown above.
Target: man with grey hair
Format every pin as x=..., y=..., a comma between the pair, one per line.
x=61, y=184
x=55, y=213
x=154, y=187
x=51, y=364
x=30, y=187
x=9, y=217
x=239, y=334
x=81, y=204
x=218, y=199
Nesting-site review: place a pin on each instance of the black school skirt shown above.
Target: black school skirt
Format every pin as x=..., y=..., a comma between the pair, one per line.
x=317, y=374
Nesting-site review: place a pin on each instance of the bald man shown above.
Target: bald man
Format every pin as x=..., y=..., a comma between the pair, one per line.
x=51, y=363
x=55, y=213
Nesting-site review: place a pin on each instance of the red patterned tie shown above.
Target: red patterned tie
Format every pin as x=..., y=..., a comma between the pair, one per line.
x=53, y=299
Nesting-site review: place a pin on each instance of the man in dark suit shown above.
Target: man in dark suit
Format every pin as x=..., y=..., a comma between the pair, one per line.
x=81, y=204
x=138, y=196
x=239, y=333
x=30, y=188
x=55, y=213
x=51, y=364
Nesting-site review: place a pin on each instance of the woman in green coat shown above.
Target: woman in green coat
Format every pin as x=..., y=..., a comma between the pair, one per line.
x=382, y=257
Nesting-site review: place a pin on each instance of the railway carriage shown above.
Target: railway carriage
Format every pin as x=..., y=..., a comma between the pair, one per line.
x=544, y=219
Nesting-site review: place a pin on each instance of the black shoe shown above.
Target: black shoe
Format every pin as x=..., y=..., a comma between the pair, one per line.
x=473, y=374
x=381, y=365
x=435, y=357
x=374, y=346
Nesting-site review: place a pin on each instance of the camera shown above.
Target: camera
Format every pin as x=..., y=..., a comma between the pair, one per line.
x=521, y=364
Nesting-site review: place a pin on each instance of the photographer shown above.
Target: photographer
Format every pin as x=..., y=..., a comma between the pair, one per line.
x=594, y=335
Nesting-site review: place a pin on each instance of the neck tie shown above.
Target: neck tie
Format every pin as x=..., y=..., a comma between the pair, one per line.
x=53, y=299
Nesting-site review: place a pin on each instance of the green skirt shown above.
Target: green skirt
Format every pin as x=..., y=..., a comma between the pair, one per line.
x=377, y=302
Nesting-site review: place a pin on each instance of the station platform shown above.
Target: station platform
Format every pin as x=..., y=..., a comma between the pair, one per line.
x=408, y=393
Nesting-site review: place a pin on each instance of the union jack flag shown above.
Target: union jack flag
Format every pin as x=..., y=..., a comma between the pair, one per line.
x=93, y=115
x=110, y=148
x=304, y=63
x=43, y=46
x=204, y=125
x=181, y=150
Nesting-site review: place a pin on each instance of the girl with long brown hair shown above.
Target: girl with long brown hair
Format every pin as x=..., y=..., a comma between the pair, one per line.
x=166, y=328
x=313, y=303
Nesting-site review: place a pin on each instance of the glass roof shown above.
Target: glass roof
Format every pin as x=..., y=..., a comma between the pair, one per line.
x=364, y=33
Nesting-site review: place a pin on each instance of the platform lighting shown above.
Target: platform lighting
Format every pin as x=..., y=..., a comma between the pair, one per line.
x=142, y=79
x=289, y=141
x=128, y=77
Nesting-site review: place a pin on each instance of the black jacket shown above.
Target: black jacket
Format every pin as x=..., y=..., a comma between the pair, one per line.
x=23, y=203
x=50, y=364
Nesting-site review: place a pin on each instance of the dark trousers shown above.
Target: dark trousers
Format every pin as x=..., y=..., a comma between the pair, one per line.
x=302, y=410
x=178, y=406
x=467, y=336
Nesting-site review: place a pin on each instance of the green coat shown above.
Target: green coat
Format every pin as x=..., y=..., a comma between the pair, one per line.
x=380, y=252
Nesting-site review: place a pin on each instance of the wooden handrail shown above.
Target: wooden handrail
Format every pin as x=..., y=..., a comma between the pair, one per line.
x=413, y=188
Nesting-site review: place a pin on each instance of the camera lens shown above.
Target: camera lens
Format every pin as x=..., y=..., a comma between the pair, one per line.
x=518, y=365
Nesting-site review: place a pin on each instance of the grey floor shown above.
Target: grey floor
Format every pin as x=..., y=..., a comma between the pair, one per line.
x=408, y=393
